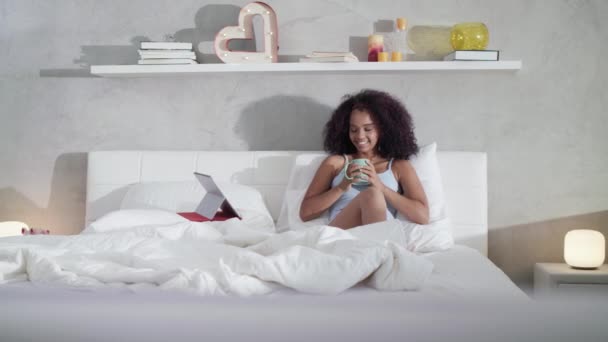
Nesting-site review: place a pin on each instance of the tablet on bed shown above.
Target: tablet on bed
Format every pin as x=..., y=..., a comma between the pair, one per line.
x=215, y=202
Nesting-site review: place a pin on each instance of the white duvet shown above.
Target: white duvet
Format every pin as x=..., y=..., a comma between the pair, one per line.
x=219, y=258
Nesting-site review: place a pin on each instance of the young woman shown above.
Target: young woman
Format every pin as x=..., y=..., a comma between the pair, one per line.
x=375, y=126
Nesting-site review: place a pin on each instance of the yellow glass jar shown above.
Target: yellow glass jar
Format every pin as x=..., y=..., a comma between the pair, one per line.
x=470, y=36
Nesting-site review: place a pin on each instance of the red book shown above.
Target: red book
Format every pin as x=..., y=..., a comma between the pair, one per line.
x=219, y=216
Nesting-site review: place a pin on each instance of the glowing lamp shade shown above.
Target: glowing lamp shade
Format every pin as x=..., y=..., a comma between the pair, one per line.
x=11, y=228
x=584, y=248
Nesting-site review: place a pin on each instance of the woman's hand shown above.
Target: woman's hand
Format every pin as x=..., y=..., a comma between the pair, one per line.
x=372, y=176
x=351, y=172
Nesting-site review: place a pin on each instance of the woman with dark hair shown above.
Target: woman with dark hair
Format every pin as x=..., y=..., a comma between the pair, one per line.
x=367, y=178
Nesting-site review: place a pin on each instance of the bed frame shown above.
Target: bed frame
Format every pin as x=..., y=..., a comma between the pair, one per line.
x=111, y=172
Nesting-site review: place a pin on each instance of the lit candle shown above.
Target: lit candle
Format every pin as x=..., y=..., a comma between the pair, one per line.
x=382, y=56
x=396, y=56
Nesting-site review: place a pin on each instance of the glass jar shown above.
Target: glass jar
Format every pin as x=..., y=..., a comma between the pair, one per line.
x=429, y=42
x=470, y=36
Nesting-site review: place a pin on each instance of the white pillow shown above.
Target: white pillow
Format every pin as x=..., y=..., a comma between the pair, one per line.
x=184, y=196
x=121, y=219
x=172, y=196
x=427, y=168
x=437, y=235
x=304, y=168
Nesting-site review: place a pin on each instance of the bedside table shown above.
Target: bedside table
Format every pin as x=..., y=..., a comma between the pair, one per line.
x=552, y=279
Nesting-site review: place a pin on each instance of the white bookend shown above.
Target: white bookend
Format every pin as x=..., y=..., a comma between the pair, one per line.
x=472, y=55
x=166, y=45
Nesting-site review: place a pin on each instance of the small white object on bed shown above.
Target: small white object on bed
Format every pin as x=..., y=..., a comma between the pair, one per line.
x=112, y=173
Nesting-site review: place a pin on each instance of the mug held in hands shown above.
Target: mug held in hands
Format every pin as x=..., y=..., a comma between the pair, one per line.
x=361, y=178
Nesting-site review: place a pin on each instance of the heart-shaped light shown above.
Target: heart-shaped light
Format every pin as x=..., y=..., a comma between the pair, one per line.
x=245, y=31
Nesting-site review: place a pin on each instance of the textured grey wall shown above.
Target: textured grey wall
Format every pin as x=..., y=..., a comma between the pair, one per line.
x=543, y=126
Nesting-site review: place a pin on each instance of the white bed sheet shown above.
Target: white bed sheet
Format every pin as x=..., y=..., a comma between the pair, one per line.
x=466, y=299
x=463, y=272
x=459, y=273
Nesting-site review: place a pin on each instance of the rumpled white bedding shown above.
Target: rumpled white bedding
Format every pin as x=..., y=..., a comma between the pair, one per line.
x=218, y=258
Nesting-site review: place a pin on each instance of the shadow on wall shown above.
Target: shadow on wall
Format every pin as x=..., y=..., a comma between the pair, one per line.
x=65, y=213
x=68, y=194
x=515, y=249
x=14, y=206
x=208, y=21
x=99, y=55
x=283, y=123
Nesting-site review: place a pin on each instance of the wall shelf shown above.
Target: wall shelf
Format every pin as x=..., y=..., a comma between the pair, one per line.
x=173, y=70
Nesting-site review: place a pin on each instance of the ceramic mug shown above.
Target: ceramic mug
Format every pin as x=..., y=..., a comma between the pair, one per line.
x=361, y=179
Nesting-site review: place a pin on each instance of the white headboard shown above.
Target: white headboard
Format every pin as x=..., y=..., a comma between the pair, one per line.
x=111, y=172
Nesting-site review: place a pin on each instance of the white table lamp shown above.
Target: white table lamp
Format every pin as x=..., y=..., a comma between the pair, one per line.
x=11, y=228
x=584, y=248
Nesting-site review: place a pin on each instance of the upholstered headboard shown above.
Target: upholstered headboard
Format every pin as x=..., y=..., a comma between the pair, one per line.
x=111, y=172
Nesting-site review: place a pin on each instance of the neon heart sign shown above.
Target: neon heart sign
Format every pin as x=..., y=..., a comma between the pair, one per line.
x=245, y=31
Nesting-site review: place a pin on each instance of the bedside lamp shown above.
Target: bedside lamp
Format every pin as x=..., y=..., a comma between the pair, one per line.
x=584, y=248
x=11, y=228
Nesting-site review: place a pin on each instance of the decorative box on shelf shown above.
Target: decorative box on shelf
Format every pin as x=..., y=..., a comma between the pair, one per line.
x=559, y=279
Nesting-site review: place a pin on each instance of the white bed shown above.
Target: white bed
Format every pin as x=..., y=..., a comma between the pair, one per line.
x=493, y=307
x=110, y=173
x=462, y=271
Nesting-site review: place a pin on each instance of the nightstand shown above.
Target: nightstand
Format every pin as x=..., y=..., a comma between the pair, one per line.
x=552, y=279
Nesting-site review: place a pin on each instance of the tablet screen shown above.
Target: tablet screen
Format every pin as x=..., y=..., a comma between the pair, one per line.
x=214, y=199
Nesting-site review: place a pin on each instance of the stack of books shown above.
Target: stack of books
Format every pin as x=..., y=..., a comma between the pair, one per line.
x=329, y=57
x=472, y=55
x=166, y=53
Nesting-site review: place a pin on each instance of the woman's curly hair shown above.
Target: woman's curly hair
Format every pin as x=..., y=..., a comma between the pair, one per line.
x=396, y=138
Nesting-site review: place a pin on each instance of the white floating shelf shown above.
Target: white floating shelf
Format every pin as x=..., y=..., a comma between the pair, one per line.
x=173, y=70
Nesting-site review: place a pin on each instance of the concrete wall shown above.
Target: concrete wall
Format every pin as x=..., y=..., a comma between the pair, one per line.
x=543, y=127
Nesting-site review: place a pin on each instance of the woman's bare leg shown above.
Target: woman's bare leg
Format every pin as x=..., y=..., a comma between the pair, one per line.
x=369, y=206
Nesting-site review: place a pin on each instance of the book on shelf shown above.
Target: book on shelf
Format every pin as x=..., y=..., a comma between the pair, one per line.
x=472, y=55
x=145, y=54
x=165, y=46
x=330, y=54
x=162, y=61
x=328, y=60
x=329, y=57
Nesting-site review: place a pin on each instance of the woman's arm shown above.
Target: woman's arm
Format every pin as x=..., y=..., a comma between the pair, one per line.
x=413, y=203
x=320, y=195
